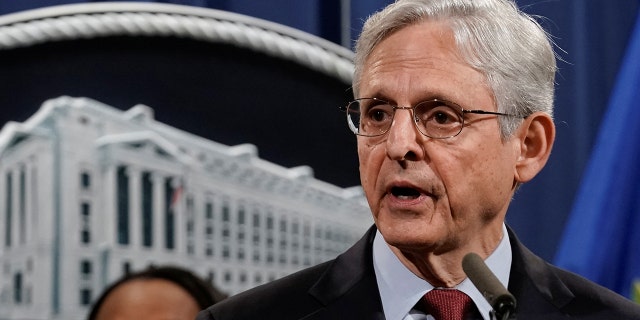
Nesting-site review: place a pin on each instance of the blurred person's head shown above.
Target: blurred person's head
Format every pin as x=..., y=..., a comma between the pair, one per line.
x=159, y=293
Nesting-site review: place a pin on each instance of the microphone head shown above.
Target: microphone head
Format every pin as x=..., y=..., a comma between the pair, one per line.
x=500, y=299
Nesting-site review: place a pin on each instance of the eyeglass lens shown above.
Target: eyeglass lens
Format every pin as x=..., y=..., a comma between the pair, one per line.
x=434, y=118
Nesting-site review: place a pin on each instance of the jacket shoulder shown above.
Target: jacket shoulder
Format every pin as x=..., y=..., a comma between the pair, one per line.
x=545, y=291
x=595, y=300
x=285, y=298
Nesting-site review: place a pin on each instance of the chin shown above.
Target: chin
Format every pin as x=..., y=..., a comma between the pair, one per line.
x=409, y=236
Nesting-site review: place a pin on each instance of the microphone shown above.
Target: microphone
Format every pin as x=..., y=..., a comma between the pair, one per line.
x=502, y=302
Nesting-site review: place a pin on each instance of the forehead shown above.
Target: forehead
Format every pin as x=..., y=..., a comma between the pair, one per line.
x=420, y=58
x=148, y=299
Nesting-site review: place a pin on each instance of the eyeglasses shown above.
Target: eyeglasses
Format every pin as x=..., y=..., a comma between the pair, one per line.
x=437, y=119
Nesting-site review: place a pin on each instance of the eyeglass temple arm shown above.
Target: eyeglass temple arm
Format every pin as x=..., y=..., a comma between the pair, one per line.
x=494, y=113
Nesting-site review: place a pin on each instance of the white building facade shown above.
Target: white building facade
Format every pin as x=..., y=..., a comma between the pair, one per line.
x=89, y=192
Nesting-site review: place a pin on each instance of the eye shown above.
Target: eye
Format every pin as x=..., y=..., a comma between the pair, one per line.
x=379, y=113
x=443, y=115
x=437, y=113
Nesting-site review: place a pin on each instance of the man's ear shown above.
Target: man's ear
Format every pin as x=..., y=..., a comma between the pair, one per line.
x=536, y=135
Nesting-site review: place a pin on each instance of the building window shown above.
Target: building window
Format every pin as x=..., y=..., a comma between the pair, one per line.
x=225, y=212
x=208, y=216
x=190, y=225
x=22, y=204
x=169, y=220
x=208, y=251
x=85, y=180
x=256, y=220
x=209, y=211
x=147, y=209
x=295, y=230
x=269, y=223
x=240, y=254
x=126, y=268
x=85, y=296
x=226, y=232
x=270, y=241
x=17, y=288
x=241, y=213
x=85, y=223
x=123, y=206
x=85, y=269
x=8, y=209
x=270, y=257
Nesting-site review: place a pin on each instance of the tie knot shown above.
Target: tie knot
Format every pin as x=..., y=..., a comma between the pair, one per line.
x=448, y=304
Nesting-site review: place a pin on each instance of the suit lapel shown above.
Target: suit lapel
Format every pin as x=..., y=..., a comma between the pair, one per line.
x=348, y=289
x=537, y=289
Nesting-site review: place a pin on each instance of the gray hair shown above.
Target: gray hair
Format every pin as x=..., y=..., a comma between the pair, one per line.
x=508, y=46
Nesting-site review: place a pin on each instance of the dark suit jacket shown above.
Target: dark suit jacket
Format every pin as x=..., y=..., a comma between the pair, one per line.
x=346, y=288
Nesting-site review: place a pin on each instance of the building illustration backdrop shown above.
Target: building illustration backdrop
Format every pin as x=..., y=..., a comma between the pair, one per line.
x=89, y=192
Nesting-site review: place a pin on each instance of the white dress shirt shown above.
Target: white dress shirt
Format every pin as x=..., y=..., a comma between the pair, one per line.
x=400, y=289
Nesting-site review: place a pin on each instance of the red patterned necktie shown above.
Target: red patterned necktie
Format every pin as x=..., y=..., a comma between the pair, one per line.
x=448, y=304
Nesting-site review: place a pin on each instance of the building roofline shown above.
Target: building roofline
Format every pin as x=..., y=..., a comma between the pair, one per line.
x=150, y=130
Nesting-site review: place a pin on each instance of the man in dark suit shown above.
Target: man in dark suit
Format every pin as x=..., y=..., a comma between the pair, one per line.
x=453, y=113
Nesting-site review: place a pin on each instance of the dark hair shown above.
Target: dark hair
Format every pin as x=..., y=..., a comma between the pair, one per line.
x=202, y=291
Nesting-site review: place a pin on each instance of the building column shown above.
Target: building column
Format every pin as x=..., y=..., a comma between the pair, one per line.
x=34, y=196
x=3, y=210
x=107, y=220
x=3, y=217
x=29, y=197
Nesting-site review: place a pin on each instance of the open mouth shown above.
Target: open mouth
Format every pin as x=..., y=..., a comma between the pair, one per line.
x=405, y=193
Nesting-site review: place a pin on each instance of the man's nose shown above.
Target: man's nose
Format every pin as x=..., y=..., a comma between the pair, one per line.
x=404, y=141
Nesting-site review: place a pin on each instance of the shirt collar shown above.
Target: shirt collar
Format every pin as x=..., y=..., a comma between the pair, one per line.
x=400, y=288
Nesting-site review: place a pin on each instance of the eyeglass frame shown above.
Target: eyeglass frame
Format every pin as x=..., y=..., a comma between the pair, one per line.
x=449, y=104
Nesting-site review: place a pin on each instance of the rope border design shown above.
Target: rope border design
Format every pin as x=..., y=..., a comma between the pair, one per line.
x=86, y=21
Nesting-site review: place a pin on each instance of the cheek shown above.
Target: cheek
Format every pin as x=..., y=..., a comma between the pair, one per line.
x=460, y=170
x=370, y=160
x=487, y=175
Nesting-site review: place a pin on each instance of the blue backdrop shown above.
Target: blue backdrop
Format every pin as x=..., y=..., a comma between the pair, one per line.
x=591, y=38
